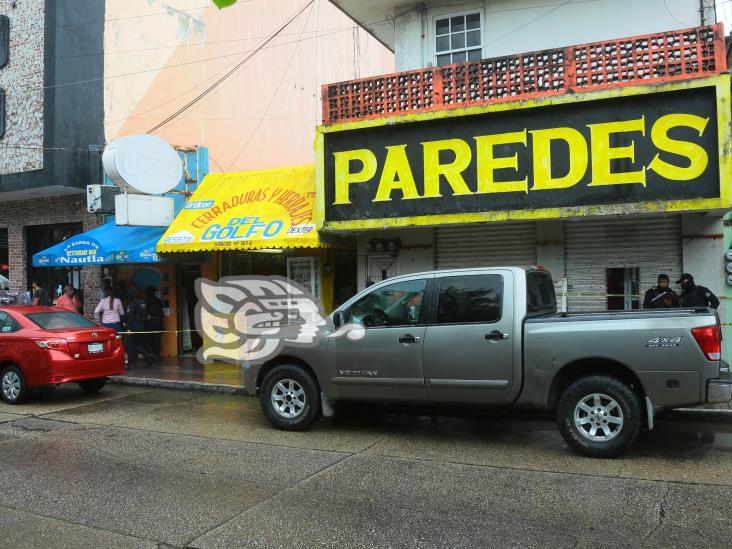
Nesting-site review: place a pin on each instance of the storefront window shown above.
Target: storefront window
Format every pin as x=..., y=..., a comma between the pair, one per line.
x=52, y=279
x=306, y=272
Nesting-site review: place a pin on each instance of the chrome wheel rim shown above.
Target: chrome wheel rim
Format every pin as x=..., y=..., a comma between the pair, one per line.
x=598, y=417
x=11, y=385
x=288, y=398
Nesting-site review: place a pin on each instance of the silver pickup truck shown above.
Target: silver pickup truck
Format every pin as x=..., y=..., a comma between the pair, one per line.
x=493, y=337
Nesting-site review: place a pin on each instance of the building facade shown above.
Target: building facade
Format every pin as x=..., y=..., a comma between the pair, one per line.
x=520, y=133
x=52, y=133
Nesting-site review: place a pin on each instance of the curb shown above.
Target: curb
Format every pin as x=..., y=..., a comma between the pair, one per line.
x=176, y=384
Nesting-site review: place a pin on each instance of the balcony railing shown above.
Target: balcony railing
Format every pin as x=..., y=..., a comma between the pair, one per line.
x=653, y=58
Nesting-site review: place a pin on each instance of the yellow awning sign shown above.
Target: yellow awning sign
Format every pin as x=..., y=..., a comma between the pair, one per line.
x=247, y=210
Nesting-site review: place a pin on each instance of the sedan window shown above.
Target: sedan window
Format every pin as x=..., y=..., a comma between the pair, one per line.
x=57, y=320
x=8, y=324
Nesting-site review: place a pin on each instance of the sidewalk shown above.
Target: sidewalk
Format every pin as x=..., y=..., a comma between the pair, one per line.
x=185, y=372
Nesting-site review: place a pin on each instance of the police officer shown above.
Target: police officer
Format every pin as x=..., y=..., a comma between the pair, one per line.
x=693, y=295
x=661, y=296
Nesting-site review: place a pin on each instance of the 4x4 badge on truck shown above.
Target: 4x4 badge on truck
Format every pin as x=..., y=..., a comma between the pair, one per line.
x=664, y=342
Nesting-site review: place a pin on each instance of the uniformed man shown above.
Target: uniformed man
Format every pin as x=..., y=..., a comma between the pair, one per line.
x=661, y=296
x=694, y=295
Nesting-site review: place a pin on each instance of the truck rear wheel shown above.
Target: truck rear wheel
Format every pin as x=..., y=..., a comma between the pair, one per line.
x=290, y=398
x=599, y=416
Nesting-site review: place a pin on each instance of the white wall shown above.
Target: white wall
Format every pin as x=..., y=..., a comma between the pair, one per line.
x=417, y=252
x=703, y=251
x=515, y=26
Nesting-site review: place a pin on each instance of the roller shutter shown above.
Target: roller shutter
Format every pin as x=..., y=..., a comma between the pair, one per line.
x=485, y=245
x=592, y=246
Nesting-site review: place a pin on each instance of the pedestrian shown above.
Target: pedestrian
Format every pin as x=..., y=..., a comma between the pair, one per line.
x=69, y=300
x=109, y=311
x=39, y=294
x=154, y=324
x=661, y=296
x=135, y=320
x=694, y=295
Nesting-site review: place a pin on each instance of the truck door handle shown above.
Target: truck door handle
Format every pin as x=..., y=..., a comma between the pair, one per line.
x=409, y=338
x=495, y=334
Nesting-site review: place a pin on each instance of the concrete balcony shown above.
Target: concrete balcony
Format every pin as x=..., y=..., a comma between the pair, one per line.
x=647, y=59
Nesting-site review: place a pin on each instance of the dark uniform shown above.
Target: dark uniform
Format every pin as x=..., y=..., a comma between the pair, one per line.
x=694, y=295
x=660, y=298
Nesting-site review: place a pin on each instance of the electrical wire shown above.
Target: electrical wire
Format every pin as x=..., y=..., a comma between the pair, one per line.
x=226, y=76
x=213, y=76
x=173, y=66
x=274, y=95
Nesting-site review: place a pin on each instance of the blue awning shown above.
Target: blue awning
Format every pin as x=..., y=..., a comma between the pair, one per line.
x=104, y=245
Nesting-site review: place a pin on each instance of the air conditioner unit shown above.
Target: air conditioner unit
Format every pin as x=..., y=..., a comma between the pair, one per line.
x=100, y=198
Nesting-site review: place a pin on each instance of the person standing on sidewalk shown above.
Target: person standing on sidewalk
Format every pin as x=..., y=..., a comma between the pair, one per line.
x=110, y=311
x=694, y=295
x=135, y=320
x=154, y=324
x=69, y=300
x=661, y=296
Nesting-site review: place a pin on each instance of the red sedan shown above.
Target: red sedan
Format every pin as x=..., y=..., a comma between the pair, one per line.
x=48, y=346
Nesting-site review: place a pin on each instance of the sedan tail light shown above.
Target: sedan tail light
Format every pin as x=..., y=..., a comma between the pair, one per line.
x=709, y=340
x=116, y=341
x=54, y=344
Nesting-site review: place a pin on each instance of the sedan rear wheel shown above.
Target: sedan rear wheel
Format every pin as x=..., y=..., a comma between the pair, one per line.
x=13, y=388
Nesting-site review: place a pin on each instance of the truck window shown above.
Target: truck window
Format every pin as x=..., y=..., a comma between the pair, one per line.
x=469, y=299
x=398, y=304
x=540, y=296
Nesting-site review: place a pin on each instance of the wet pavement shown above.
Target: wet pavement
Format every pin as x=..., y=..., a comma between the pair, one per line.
x=142, y=467
x=187, y=368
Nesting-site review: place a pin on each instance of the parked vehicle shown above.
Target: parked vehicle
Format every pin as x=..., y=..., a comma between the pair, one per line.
x=49, y=346
x=493, y=337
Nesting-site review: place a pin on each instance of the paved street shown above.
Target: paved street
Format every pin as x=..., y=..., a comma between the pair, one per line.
x=139, y=467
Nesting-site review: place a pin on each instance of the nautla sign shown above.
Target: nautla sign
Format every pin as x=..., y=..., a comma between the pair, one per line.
x=650, y=147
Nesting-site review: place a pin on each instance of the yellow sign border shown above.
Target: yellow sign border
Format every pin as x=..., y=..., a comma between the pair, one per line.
x=724, y=124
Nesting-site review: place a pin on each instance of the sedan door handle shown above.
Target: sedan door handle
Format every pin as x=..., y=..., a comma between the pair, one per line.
x=409, y=338
x=496, y=335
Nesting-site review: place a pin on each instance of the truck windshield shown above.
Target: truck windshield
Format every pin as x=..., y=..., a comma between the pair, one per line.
x=540, y=296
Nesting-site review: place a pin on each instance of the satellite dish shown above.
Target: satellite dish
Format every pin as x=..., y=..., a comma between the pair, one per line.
x=142, y=164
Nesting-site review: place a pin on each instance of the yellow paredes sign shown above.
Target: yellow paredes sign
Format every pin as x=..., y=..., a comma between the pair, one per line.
x=247, y=210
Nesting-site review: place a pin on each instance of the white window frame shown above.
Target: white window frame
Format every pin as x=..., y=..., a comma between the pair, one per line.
x=465, y=13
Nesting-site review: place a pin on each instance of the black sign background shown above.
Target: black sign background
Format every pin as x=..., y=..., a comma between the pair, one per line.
x=700, y=102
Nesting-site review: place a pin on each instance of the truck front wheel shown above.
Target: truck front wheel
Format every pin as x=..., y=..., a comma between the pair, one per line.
x=290, y=398
x=599, y=416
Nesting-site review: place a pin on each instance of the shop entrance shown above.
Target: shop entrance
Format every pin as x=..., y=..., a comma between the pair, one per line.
x=623, y=288
x=189, y=339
